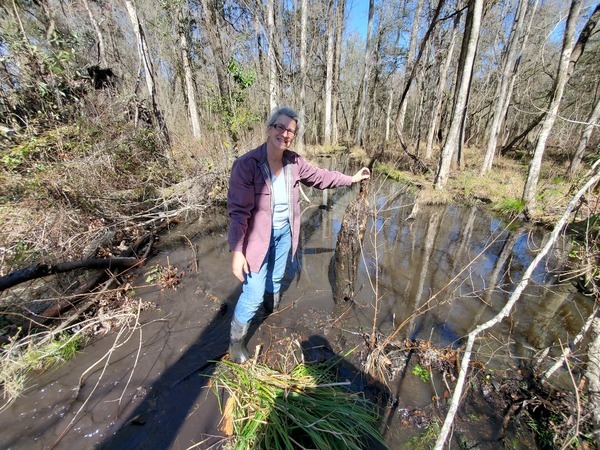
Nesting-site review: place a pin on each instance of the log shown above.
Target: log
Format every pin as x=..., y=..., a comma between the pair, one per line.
x=43, y=270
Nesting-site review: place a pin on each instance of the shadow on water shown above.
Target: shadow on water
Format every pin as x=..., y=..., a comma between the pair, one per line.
x=156, y=421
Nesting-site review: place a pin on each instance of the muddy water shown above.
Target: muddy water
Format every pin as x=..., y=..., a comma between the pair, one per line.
x=146, y=387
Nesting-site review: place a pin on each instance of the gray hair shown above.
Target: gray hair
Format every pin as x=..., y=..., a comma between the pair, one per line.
x=284, y=111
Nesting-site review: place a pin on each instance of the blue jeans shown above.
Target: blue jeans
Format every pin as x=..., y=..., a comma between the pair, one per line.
x=268, y=278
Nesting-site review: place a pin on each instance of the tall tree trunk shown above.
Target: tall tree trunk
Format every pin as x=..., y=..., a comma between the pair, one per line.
x=329, y=78
x=212, y=28
x=585, y=138
x=440, y=90
x=417, y=61
x=190, y=91
x=365, y=81
x=146, y=64
x=302, y=112
x=273, y=78
x=454, y=134
x=339, y=30
x=410, y=59
x=535, y=165
x=503, y=94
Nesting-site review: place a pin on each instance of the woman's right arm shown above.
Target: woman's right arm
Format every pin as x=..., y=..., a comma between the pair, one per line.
x=240, y=201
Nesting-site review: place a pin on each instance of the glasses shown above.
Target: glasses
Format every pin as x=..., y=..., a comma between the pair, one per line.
x=283, y=129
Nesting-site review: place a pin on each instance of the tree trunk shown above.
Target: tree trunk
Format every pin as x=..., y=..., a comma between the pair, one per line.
x=365, y=81
x=273, y=78
x=146, y=63
x=212, y=29
x=188, y=79
x=585, y=138
x=416, y=63
x=440, y=90
x=593, y=375
x=410, y=60
x=302, y=112
x=453, y=140
x=535, y=166
x=339, y=30
x=503, y=94
x=328, y=80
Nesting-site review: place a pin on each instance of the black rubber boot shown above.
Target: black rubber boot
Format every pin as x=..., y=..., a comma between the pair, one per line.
x=272, y=301
x=237, y=347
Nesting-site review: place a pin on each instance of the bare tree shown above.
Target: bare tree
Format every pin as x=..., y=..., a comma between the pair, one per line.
x=190, y=90
x=148, y=71
x=367, y=74
x=273, y=75
x=535, y=165
x=436, y=115
x=410, y=59
x=503, y=94
x=329, y=77
x=457, y=122
x=302, y=111
x=592, y=122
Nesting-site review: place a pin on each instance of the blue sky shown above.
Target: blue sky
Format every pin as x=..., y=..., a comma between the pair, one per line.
x=358, y=14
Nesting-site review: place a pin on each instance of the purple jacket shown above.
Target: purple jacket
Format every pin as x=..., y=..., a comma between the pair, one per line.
x=249, y=200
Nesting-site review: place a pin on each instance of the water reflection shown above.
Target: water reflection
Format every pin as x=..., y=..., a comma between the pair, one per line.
x=449, y=269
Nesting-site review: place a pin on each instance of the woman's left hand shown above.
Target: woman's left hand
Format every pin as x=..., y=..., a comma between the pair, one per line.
x=361, y=175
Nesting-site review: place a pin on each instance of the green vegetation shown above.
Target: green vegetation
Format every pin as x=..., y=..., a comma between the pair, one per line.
x=17, y=362
x=509, y=207
x=426, y=440
x=422, y=373
x=305, y=408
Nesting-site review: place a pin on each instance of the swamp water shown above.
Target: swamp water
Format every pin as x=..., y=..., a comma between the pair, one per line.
x=437, y=275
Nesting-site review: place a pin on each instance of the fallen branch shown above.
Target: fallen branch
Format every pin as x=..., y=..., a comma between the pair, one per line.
x=504, y=312
x=43, y=270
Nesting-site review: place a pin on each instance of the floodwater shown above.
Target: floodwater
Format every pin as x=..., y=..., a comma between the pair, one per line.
x=436, y=275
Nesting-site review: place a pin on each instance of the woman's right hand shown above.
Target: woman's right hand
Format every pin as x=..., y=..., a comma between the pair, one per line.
x=239, y=265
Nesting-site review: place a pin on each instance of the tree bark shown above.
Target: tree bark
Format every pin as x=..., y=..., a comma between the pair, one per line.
x=302, y=112
x=453, y=140
x=365, y=81
x=329, y=79
x=593, y=375
x=43, y=270
x=564, y=67
x=146, y=63
x=410, y=60
x=273, y=76
x=503, y=95
x=339, y=31
x=584, y=139
x=440, y=89
x=190, y=91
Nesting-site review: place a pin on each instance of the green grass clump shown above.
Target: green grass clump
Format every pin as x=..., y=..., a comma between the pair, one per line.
x=509, y=207
x=302, y=409
x=18, y=361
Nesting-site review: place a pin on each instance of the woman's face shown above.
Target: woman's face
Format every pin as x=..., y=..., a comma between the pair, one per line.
x=281, y=134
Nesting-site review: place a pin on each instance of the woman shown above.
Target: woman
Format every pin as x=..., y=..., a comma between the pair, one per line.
x=264, y=213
